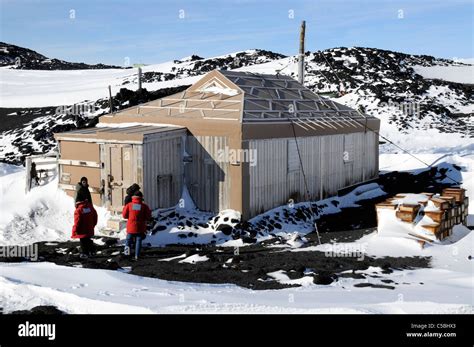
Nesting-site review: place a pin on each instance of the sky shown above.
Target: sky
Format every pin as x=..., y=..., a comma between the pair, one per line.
x=144, y=31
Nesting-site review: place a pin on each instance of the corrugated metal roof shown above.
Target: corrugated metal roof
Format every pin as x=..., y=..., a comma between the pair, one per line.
x=279, y=97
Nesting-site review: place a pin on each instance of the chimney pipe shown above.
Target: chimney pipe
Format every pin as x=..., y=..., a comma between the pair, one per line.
x=301, y=54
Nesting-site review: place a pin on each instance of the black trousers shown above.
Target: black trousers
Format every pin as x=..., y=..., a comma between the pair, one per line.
x=87, y=245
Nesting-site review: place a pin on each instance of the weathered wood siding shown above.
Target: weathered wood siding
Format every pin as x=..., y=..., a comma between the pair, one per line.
x=273, y=182
x=162, y=171
x=83, y=154
x=207, y=177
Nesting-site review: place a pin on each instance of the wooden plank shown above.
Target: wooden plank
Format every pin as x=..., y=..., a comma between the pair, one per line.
x=73, y=187
x=79, y=163
x=383, y=205
x=421, y=237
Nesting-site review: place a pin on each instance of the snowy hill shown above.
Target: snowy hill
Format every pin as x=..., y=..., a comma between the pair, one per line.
x=15, y=57
x=416, y=97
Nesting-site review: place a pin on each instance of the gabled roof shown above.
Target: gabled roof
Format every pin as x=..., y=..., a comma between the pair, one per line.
x=280, y=97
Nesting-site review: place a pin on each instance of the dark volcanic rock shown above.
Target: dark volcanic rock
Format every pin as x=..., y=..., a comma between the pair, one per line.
x=225, y=229
x=40, y=310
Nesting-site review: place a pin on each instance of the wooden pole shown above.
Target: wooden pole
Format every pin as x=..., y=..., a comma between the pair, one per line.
x=111, y=104
x=28, y=175
x=139, y=79
x=301, y=53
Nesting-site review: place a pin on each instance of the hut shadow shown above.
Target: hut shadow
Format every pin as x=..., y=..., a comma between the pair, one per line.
x=203, y=176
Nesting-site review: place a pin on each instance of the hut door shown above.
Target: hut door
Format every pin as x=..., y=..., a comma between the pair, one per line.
x=119, y=173
x=165, y=193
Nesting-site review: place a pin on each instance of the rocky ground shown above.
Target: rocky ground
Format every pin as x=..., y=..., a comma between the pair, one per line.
x=249, y=268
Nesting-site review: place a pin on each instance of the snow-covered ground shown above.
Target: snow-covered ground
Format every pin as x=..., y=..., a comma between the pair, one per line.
x=459, y=74
x=43, y=214
x=77, y=290
x=447, y=287
x=33, y=88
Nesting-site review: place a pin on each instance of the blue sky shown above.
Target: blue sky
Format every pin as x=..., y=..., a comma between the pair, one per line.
x=146, y=31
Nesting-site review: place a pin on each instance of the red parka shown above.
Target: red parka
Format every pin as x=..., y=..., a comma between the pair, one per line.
x=85, y=219
x=137, y=213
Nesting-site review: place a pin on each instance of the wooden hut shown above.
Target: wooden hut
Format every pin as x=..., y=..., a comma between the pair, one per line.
x=237, y=140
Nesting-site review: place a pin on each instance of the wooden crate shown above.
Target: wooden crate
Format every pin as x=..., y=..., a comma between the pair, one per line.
x=450, y=199
x=406, y=216
x=457, y=193
x=433, y=228
x=409, y=208
x=385, y=205
x=440, y=203
x=436, y=216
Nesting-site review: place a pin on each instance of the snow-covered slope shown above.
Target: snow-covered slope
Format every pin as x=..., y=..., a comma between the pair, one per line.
x=15, y=57
x=32, y=88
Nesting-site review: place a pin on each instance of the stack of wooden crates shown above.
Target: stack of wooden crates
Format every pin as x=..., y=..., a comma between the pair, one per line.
x=451, y=209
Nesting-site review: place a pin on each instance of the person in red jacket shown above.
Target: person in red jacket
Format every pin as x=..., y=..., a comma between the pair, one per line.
x=85, y=219
x=138, y=214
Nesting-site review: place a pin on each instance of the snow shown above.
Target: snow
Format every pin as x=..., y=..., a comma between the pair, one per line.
x=174, y=258
x=77, y=290
x=459, y=74
x=283, y=278
x=131, y=124
x=411, y=199
x=37, y=88
x=43, y=214
x=220, y=90
x=193, y=259
x=34, y=88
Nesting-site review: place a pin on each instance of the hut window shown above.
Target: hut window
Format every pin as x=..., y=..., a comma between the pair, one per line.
x=348, y=154
x=293, y=160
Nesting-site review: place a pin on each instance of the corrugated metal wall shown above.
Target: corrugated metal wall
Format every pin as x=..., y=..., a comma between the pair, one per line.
x=207, y=177
x=162, y=171
x=271, y=184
